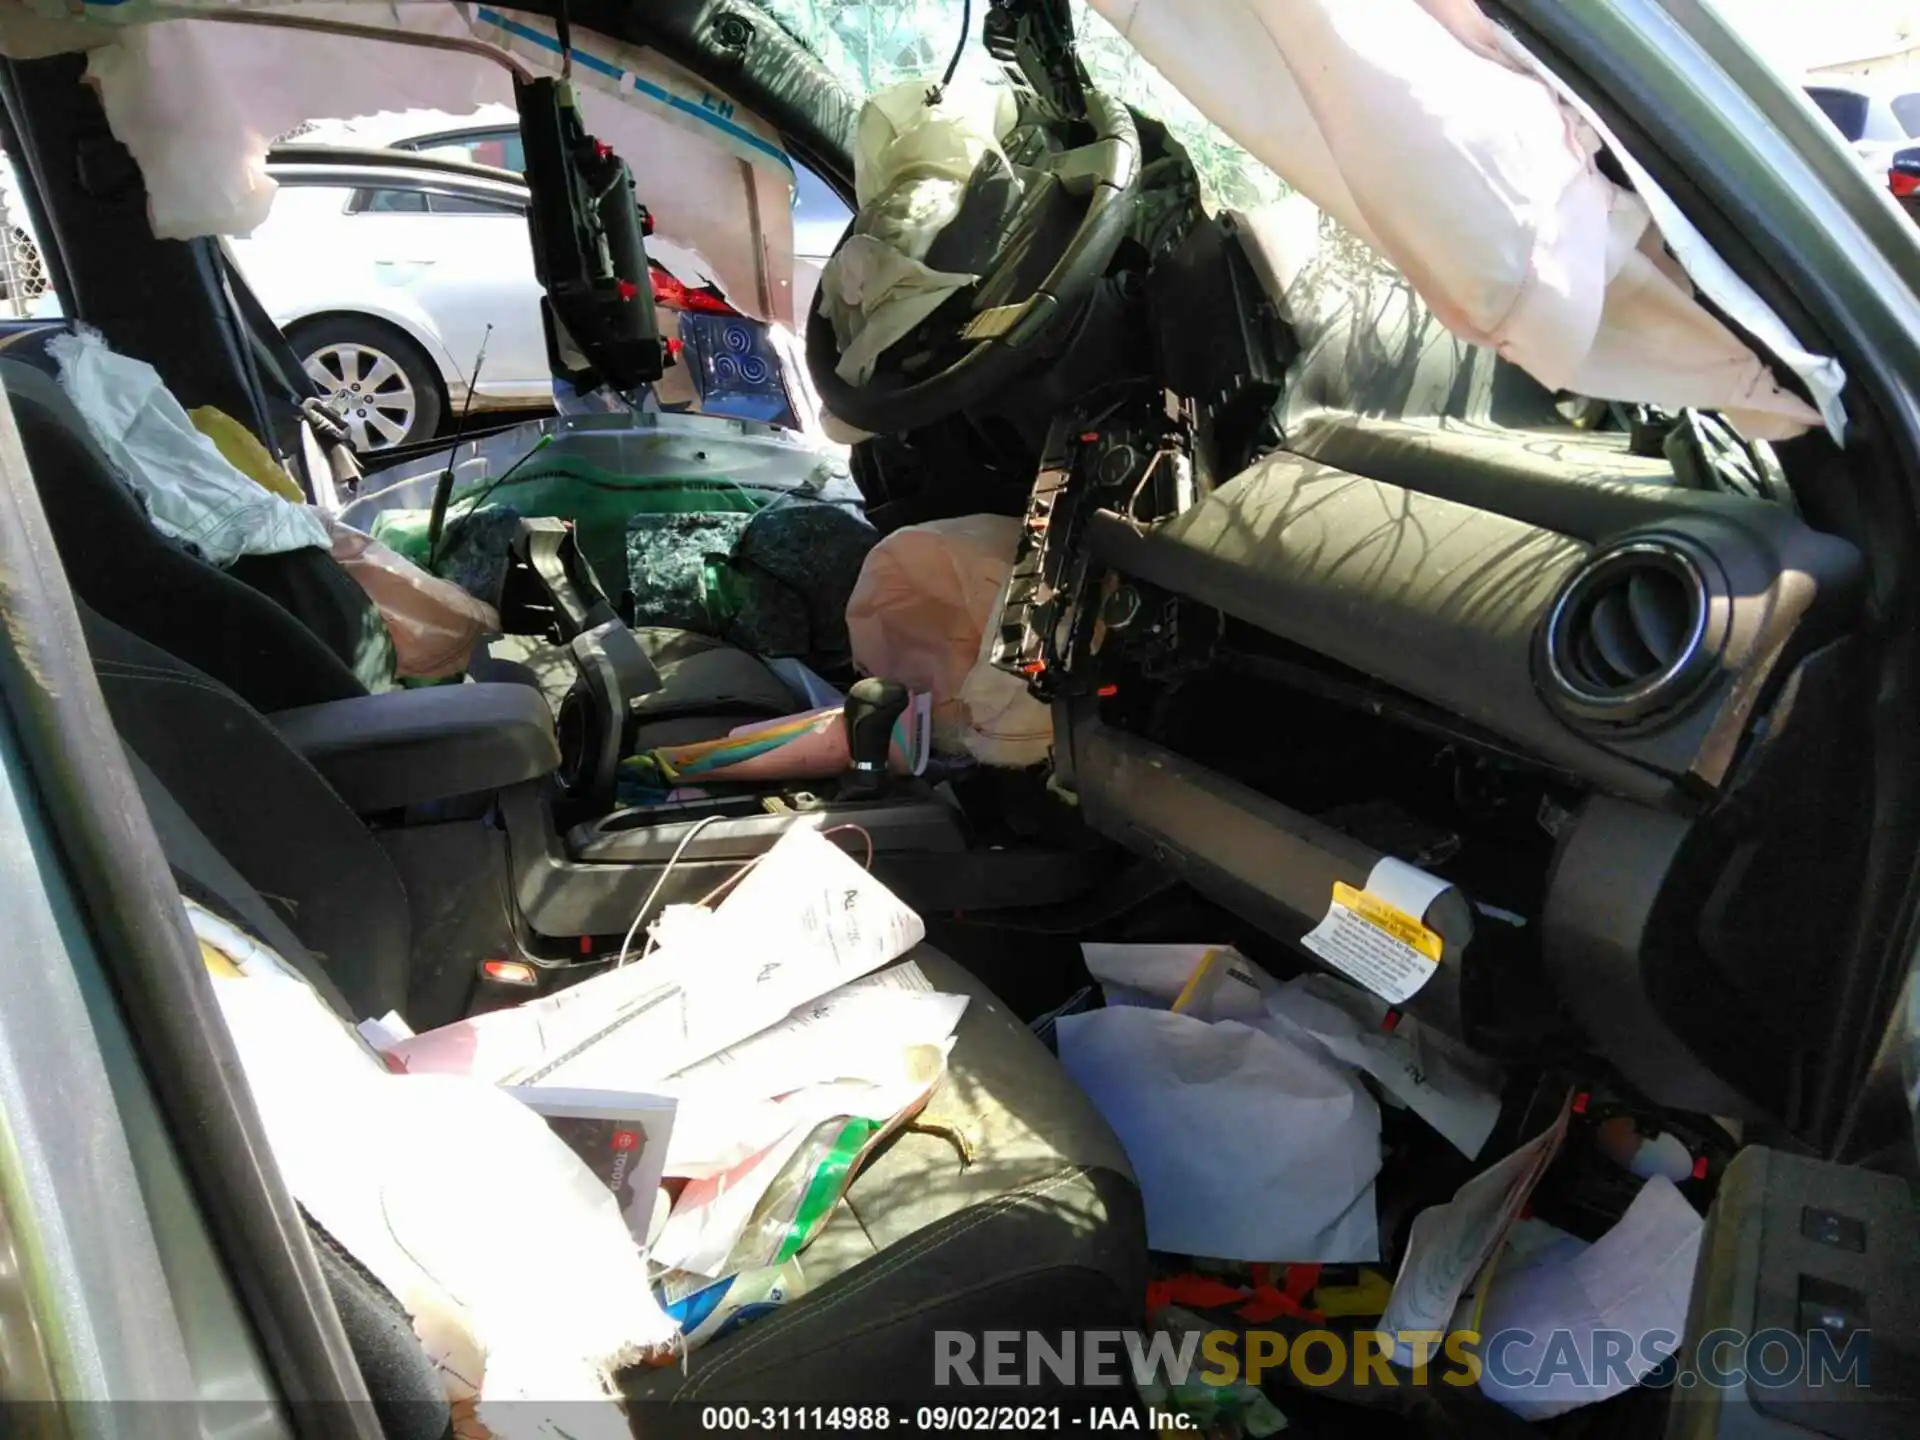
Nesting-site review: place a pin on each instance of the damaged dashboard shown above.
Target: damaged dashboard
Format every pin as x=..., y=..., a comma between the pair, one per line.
x=1669, y=677
x=1633, y=656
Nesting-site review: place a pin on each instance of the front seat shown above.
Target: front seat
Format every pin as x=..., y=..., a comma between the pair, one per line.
x=287, y=631
x=1008, y=1205
x=121, y=567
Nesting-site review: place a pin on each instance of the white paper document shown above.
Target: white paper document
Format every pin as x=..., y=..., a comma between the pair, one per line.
x=621, y=1136
x=1440, y=1080
x=857, y=1032
x=807, y=919
x=1247, y=1145
x=1635, y=1279
x=1450, y=1244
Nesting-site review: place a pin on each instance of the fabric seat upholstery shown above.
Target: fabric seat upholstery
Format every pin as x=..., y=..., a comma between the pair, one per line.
x=266, y=811
x=1008, y=1205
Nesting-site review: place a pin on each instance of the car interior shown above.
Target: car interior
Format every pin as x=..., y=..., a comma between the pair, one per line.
x=1308, y=585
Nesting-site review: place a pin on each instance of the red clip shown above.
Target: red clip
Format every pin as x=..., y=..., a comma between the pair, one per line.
x=675, y=346
x=1580, y=1102
x=1270, y=1302
x=602, y=150
x=1089, y=437
x=1107, y=692
x=1198, y=1292
x=1390, y=1021
x=586, y=945
x=1034, y=667
x=1700, y=1168
x=626, y=289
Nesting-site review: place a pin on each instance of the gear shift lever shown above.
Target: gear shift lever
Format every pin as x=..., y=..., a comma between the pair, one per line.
x=872, y=709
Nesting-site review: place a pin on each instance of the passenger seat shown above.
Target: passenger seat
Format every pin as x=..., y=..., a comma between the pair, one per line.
x=1009, y=1205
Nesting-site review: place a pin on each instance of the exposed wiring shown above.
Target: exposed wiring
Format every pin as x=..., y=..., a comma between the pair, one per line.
x=626, y=945
x=734, y=879
x=1153, y=468
x=859, y=830
x=727, y=884
x=938, y=92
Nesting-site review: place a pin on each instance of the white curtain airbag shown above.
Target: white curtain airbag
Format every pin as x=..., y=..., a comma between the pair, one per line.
x=198, y=103
x=1422, y=129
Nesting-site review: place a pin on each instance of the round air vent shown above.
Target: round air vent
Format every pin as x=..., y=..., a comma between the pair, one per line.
x=1626, y=639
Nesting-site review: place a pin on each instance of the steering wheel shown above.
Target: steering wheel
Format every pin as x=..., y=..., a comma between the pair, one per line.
x=1005, y=337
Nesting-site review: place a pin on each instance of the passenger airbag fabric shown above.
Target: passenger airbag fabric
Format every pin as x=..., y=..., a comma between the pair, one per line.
x=1422, y=128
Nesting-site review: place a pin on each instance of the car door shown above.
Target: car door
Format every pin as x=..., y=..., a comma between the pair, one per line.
x=478, y=285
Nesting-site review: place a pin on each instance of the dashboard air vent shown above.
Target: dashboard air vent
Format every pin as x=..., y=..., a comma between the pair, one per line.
x=1625, y=639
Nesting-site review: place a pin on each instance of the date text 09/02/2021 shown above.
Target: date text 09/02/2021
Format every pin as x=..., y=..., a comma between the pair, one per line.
x=942, y=1419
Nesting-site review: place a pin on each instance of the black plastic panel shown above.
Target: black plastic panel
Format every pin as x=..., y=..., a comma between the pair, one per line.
x=1444, y=601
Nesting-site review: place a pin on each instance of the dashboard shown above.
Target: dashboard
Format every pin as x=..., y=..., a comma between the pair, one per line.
x=1673, y=676
x=1630, y=653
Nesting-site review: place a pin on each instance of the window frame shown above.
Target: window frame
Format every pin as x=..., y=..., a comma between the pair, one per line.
x=485, y=203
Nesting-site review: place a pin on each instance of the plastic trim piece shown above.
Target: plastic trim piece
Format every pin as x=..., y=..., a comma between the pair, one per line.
x=1272, y=865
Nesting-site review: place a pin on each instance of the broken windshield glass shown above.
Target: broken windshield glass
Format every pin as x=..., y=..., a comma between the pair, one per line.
x=870, y=44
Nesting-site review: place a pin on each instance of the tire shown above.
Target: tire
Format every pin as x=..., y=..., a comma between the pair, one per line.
x=356, y=359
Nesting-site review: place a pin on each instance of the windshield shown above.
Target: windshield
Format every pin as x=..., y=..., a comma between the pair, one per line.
x=868, y=44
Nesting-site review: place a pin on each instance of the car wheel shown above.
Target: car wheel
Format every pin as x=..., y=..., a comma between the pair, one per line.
x=375, y=377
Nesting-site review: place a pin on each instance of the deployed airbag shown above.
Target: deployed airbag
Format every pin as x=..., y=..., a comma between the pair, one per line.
x=923, y=614
x=1427, y=132
x=189, y=489
x=198, y=103
x=911, y=165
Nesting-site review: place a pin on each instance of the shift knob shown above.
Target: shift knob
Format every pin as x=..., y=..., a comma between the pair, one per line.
x=873, y=707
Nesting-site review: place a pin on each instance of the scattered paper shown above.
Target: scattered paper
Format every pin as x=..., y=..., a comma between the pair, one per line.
x=1451, y=1243
x=386, y=1032
x=713, y=1212
x=621, y=1137
x=1231, y=987
x=412, y=1174
x=1440, y=1080
x=1248, y=1145
x=1634, y=1280
x=805, y=920
x=876, y=1035
x=856, y=1032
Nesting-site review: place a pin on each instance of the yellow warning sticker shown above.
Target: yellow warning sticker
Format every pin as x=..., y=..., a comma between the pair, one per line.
x=1376, y=944
x=1397, y=923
